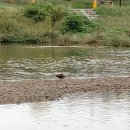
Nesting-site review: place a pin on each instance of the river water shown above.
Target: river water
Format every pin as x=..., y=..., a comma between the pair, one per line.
x=23, y=62
x=108, y=110
x=90, y=111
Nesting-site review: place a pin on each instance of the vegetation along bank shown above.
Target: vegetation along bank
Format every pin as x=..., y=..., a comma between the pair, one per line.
x=55, y=24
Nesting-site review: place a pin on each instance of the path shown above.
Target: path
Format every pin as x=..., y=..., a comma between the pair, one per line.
x=89, y=13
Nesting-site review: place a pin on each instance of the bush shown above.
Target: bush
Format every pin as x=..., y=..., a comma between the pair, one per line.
x=39, y=12
x=58, y=13
x=77, y=23
x=35, y=12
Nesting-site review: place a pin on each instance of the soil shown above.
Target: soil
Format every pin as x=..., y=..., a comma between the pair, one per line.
x=45, y=90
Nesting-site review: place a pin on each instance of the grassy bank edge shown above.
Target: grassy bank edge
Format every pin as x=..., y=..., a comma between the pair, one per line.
x=113, y=29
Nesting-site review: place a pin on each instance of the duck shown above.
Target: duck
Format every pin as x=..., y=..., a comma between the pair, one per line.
x=60, y=76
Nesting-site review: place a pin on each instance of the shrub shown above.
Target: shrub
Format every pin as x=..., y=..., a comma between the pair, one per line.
x=39, y=12
x=58, y=13
x=35, y=12
x=77, y=23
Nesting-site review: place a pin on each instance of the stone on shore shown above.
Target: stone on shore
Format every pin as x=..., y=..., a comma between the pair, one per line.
x=45, y=90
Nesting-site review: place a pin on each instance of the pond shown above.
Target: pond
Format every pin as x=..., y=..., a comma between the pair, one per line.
x=21, y=62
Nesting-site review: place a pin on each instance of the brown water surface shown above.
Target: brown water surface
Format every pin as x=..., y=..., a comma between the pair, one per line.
x=21, y=62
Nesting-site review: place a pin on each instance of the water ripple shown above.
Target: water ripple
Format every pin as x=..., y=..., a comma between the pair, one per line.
x=35, y=63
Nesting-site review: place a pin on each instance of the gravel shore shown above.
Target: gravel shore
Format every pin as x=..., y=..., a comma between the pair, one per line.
x=45, y=90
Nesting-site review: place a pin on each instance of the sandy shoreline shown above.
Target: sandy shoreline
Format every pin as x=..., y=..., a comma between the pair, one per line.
x=45, y=90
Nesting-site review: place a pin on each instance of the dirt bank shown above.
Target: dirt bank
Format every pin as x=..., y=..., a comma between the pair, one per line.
x=44, y=90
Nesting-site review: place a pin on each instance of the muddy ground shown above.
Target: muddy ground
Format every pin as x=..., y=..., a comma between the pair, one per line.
x=45, y=90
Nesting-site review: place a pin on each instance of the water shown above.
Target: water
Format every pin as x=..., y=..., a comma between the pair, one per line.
x=21, y=62
x=108, y=110
x=91, y=111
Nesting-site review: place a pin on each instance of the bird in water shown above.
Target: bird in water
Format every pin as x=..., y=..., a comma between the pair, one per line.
x=60, y=76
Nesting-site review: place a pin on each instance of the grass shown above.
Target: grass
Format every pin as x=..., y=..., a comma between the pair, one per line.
x=116, y=25
x=113, y=26
x=68, y=3
x=17, y=28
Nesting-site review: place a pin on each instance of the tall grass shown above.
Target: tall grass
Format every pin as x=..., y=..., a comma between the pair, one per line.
x=116, y=24
x=15, y=26
x=112, y=28
x=68, y=3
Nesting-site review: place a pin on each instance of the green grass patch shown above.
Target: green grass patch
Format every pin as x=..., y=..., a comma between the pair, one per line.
x=55, y=24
